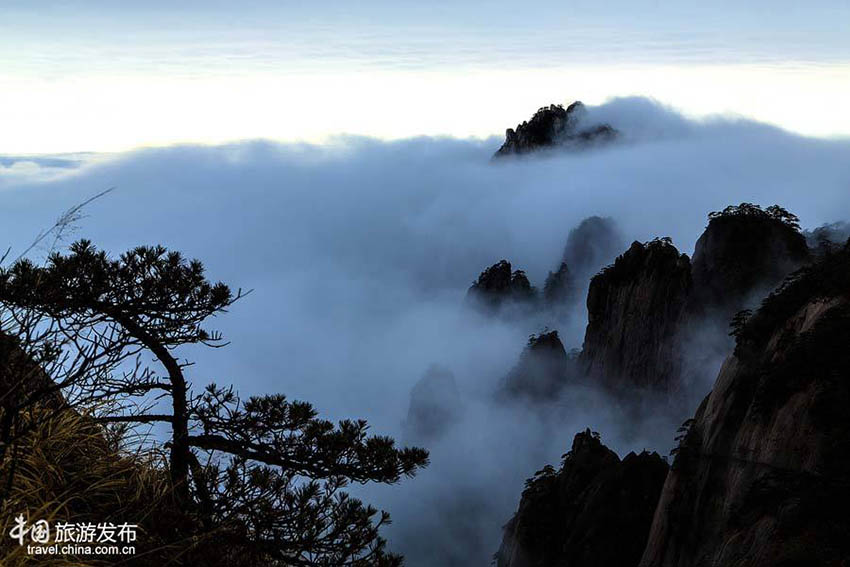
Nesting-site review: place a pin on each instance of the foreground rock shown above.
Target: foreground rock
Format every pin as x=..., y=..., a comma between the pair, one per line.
x=762, y=476
x=593, y=512
x=554, y=126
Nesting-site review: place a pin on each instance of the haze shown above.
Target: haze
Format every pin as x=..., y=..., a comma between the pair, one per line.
x=360, y=253
x=336, y=160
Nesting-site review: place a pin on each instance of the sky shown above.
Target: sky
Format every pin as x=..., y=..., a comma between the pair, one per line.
x=100, y=76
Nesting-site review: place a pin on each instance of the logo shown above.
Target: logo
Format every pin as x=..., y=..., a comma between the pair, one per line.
x=81, y=538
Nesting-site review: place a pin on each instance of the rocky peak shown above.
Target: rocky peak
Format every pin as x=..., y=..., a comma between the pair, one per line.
x=635, y=309
x=552, y=126
x=498, y=284
x=587, y=449
x=594, y=511
x=744, y=253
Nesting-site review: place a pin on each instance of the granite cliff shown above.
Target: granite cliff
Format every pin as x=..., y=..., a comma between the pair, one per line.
x=761, y=476
x=635, y=309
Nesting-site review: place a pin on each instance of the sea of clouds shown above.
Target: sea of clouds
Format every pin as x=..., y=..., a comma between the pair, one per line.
x=359, y=253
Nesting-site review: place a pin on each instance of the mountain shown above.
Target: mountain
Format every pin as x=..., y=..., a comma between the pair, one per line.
x=595, y=511
x=656, y=319
x=762, y=476
x=762, y=473
x=743, y=254
x=635, y=308
x=555, y=126
x=654, y=307
x=498, y=286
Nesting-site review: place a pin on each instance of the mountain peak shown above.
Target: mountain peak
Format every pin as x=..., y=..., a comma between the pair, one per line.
x=553, y=126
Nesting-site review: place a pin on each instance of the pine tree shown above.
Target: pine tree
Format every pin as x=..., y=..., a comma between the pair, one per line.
x=266, y=474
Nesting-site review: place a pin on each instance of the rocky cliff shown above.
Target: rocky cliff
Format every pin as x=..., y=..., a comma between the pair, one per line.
x=743, y=254
x=654, y=307
x=635, y=309
x=554, y=126
x=762, y=476
x=593, y=512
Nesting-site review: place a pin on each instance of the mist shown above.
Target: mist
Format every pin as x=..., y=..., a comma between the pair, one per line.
x=359, y=254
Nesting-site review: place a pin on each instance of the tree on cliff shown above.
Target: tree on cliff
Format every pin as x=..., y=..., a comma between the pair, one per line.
x=774, y=212
x=264, y=474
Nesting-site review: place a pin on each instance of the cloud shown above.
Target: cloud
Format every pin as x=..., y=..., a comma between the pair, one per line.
x=19, y=169
x=360, y=252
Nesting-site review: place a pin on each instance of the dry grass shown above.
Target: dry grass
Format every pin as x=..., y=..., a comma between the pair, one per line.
x=70, y=469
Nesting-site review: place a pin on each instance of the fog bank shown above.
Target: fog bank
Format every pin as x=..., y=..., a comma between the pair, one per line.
x=360, y=254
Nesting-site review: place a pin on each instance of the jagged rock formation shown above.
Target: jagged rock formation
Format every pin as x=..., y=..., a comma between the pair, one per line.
x=595, y=511
x=543, y=369
x=743, y=254
x=653, y=306
x=435, y=405
x=593, y=244
x=499, y=285
x=635, y=308
x=762, y=476
x=554, y=126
